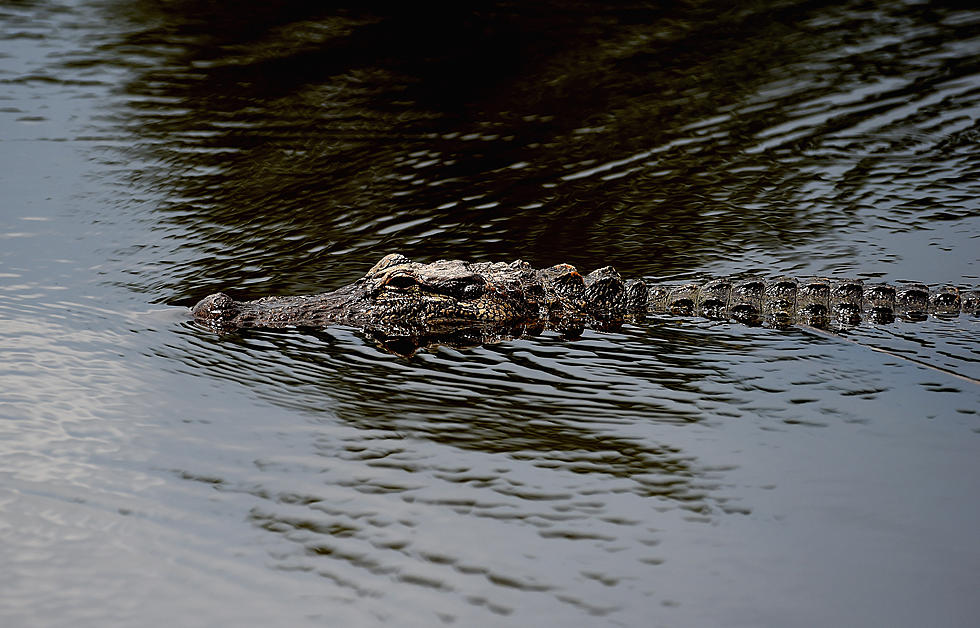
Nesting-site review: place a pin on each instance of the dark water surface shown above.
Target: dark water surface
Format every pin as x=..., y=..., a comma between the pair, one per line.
x=673, y=473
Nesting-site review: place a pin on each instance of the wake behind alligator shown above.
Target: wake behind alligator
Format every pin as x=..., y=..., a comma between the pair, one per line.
x=460, y=302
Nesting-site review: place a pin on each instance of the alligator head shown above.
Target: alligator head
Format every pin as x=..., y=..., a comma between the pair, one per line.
x=396, y=292
x=449, y=292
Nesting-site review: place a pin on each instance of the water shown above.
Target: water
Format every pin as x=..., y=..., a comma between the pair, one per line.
x=673, y=473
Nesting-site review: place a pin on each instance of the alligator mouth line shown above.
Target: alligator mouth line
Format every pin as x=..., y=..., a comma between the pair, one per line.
x=443, y=308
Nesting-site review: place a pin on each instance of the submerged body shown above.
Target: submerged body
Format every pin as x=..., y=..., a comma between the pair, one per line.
x=399, y=297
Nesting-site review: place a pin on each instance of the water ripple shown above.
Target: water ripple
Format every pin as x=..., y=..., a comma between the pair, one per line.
x=675, y=472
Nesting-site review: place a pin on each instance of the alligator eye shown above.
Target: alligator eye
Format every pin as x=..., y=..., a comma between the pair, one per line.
x=472, y=291
x=401, y=282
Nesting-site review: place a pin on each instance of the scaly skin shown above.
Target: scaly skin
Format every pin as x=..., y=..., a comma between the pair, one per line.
x=401, y=297
x=819, y=303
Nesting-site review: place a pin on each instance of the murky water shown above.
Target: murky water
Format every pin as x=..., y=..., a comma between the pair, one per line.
x=673, y=473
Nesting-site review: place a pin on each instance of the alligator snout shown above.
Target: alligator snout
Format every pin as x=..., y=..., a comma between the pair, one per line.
x=216, y=307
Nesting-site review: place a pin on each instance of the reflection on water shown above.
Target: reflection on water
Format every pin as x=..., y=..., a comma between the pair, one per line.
x=659, y=143
x=673, y=472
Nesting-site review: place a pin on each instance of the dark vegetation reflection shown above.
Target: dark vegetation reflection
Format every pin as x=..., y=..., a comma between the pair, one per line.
x=296, y=143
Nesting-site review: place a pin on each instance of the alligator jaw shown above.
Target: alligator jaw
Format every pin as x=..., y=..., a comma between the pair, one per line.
x=345, y=306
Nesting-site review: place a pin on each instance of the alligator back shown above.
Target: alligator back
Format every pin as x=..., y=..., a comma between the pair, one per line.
x=818, y=302
x=447, y=296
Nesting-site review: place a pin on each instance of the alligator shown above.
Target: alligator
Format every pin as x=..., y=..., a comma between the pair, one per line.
x=461, y=302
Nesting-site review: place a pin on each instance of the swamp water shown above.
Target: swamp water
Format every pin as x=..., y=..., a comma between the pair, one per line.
x=676, y=472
